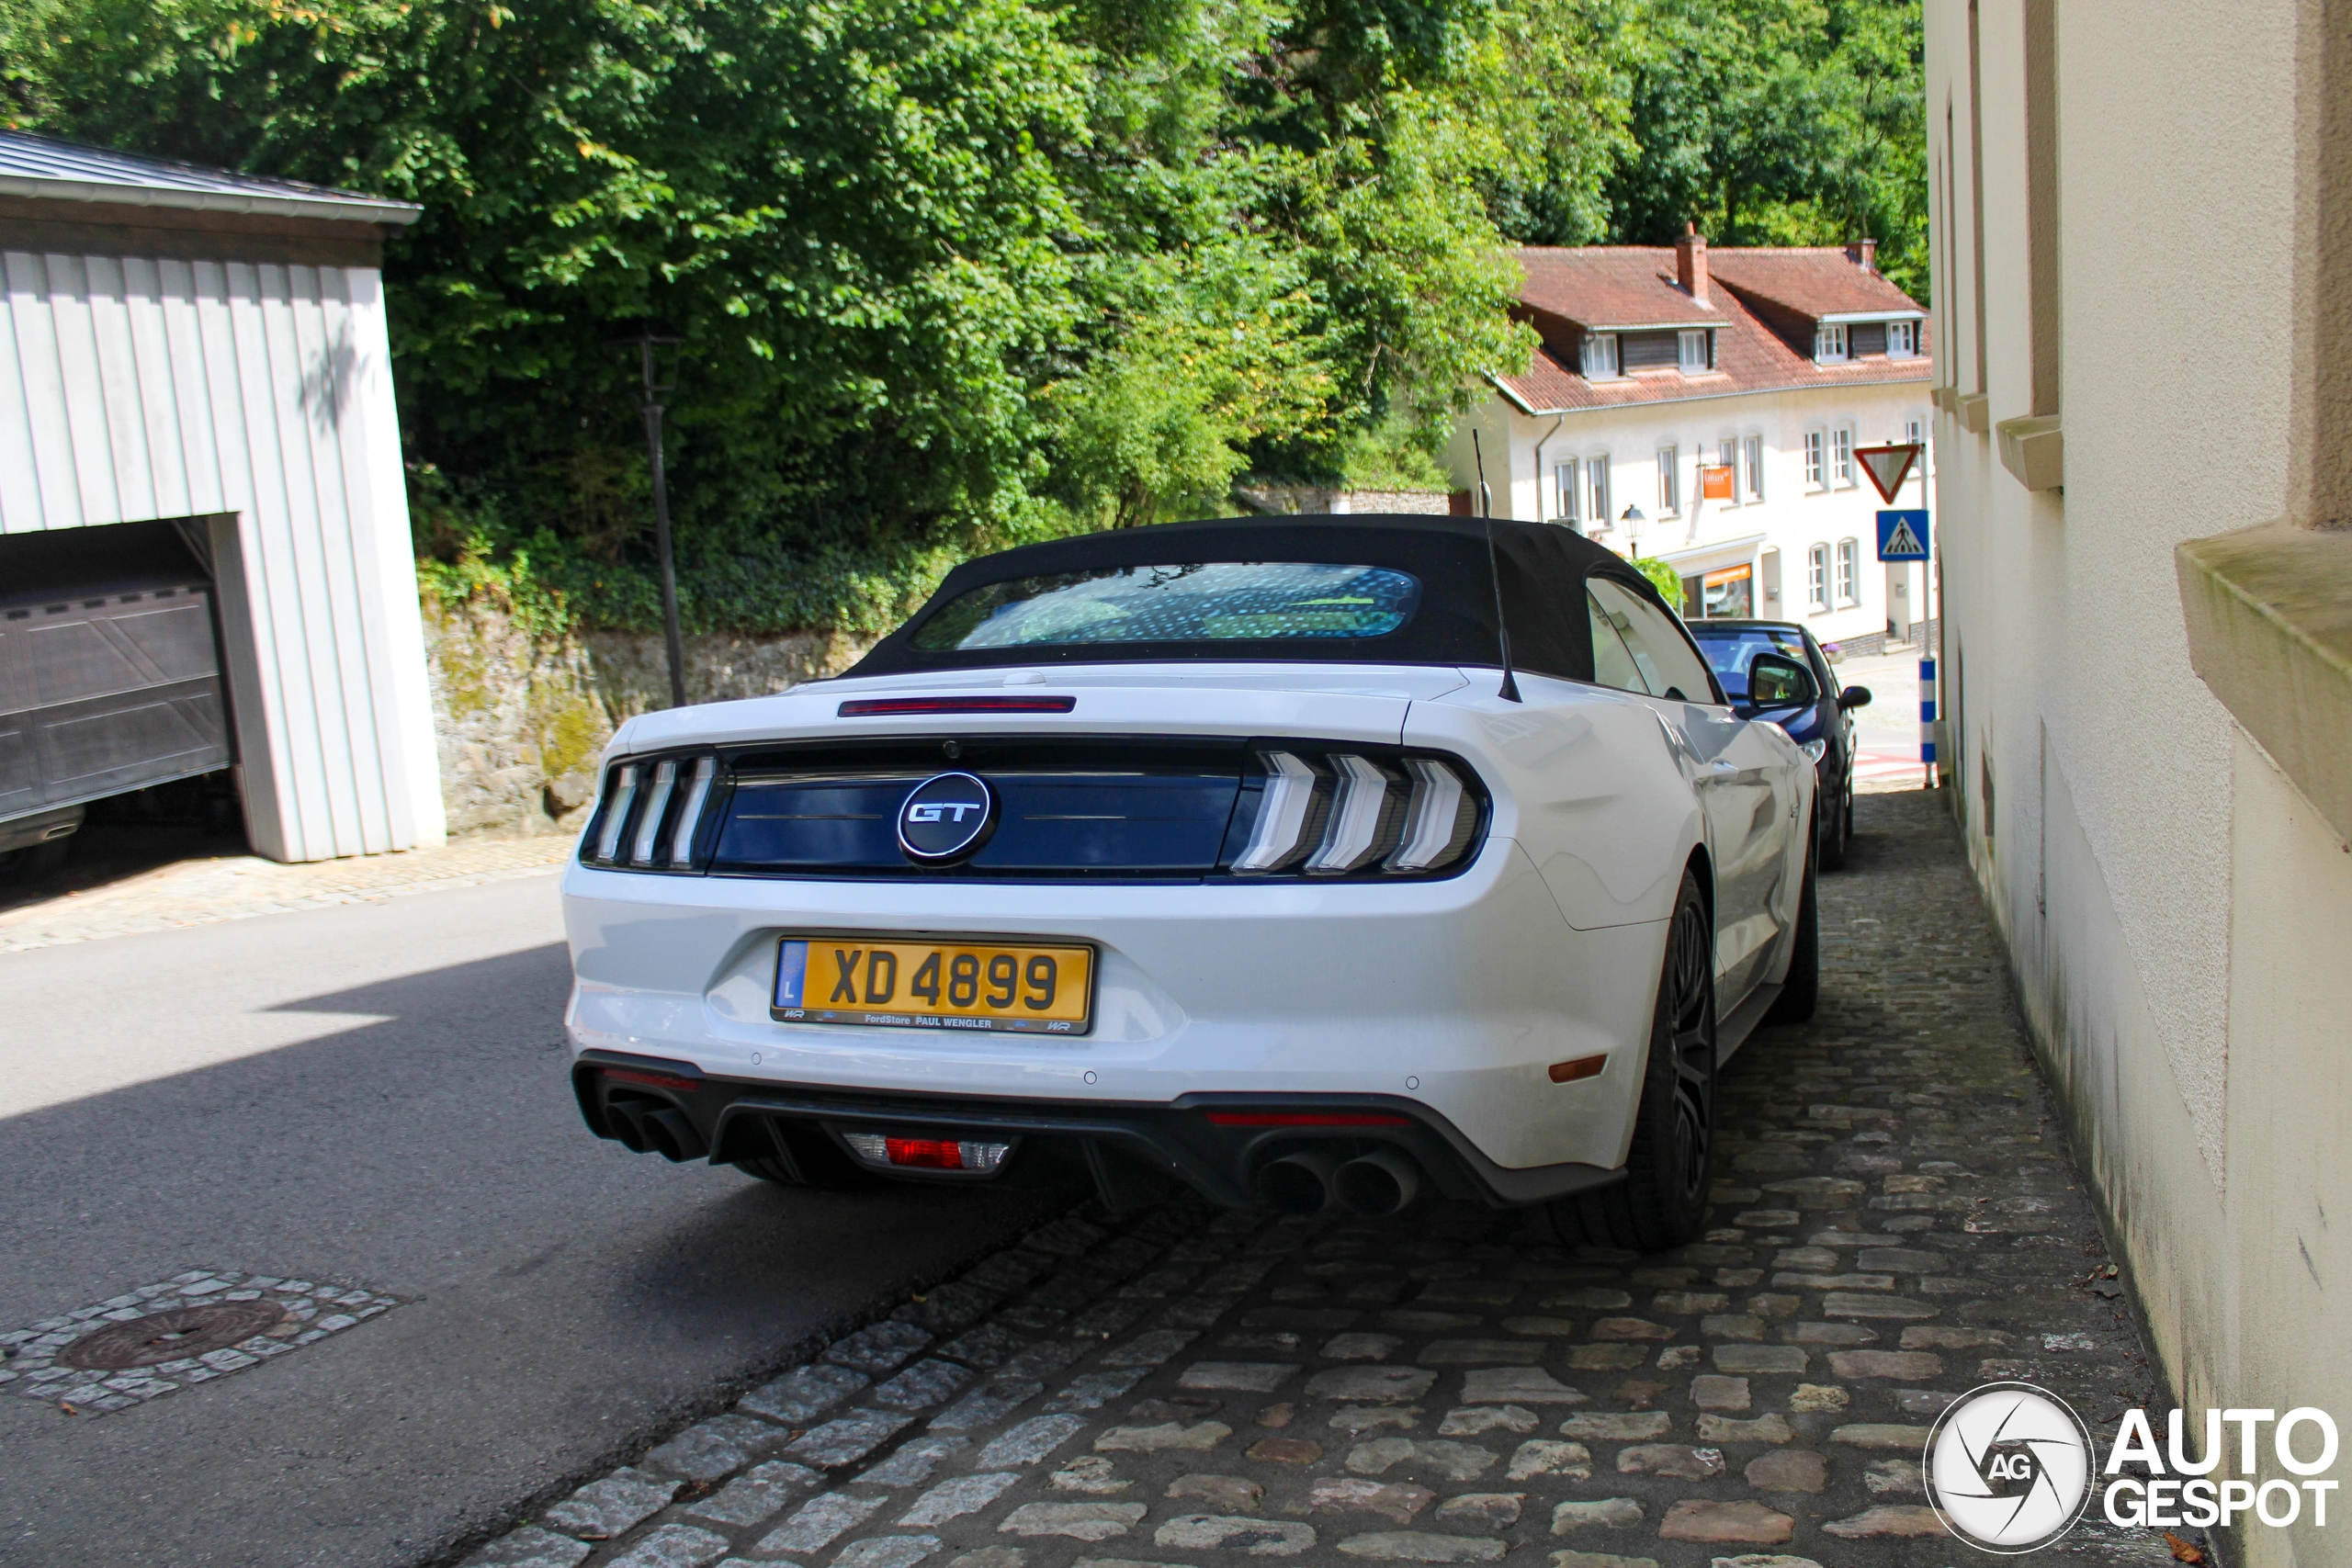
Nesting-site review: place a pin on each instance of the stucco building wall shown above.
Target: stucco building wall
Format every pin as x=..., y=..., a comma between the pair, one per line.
x=2161, y=884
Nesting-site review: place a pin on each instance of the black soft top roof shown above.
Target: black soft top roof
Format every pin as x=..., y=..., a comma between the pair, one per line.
x=1542, y=567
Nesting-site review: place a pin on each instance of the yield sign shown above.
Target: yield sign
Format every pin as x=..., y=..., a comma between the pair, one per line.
x=1888, y=465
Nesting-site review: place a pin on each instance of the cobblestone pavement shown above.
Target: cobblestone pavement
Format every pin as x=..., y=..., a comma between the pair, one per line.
x=1896, y=1220
x=234, y=887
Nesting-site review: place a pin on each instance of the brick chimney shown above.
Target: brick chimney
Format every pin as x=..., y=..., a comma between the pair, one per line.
x=1863, y=254
x=1691, y=263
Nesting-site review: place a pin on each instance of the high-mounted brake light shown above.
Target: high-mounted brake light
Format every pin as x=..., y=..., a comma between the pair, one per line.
x=1306, y=1119
x=872, y=708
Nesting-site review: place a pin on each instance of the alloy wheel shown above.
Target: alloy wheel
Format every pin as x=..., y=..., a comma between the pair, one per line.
x=1694, y=1049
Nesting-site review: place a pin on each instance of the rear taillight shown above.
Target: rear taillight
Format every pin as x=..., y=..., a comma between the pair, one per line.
x=1342, y=813
x=926, y=1154
x=652, y=814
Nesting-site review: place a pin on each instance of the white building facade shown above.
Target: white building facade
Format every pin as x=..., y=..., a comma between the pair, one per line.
x=1657, y=382
x=2146, y=666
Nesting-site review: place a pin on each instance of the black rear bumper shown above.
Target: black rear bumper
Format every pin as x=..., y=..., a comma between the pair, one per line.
x=1132, y=1152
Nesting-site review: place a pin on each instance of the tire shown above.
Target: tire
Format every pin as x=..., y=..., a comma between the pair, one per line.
x=1838, y=823
x=1801, y=992
x=1662, y=1202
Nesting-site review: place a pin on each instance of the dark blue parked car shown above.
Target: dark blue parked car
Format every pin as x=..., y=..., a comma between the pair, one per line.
x=1813, y=712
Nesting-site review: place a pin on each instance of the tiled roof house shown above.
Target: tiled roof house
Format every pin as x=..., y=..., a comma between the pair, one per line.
x=1658, y=363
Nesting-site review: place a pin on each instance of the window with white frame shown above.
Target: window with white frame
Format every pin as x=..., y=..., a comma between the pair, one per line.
x=1829, y=342
x=1753, y=478
x=1691, y=351
x=1816, y=465
x=1727, y=458
x=1841, y=455
x=1567, y=504
x=1599, y=356
x=1596, y=478
x=1670, y=492
x=1816, y=578
x=1902, y=340
x=1849, y=571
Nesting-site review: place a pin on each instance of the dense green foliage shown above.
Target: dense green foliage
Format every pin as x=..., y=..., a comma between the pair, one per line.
x=950, y=277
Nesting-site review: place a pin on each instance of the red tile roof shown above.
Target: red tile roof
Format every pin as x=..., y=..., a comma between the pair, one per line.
x=1811, y=281
x=1605, y=287
x=1601, y=286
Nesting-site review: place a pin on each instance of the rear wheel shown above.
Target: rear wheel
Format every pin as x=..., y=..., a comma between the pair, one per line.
x=1801, y=991
x=1662, y=1202
x=1837, y=825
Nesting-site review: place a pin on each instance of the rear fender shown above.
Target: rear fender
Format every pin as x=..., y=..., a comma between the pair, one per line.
x=1583, y=778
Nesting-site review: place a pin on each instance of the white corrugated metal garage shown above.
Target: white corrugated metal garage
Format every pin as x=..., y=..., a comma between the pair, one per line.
x=187, y=345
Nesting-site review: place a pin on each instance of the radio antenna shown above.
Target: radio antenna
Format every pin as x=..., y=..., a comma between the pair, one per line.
x=1510, y=691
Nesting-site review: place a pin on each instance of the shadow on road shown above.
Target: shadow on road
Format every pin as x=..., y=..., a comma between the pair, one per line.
x=564, y=1298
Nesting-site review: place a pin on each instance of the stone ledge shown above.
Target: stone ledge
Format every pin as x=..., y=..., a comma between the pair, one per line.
x=2269, y=616
x=2034, y=450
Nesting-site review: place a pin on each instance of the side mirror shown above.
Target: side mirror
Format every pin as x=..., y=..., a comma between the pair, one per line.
x=1776, y=680
x=1854, y=697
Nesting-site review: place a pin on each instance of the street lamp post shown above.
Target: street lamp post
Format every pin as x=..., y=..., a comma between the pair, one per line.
x=646, y=341
x=1632, y=518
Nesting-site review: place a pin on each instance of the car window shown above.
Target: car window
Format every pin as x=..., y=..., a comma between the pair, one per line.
x=1730, y=649
x=1612, y=664
x=1200, y=602
x=1664, y=655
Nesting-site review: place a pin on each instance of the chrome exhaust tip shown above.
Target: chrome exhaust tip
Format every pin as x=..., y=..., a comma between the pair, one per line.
x=1299, y=1183
x=1378, y=1184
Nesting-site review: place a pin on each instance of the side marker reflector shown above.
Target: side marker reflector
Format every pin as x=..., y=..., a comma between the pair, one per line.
x=1582, y=1067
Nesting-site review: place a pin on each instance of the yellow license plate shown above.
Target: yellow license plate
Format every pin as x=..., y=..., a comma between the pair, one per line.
x=1006, y=987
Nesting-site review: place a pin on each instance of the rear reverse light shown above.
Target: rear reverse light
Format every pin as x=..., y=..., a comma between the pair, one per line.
x=926, y=1154
x=1343, y=813
x=1306, y=1119
x=870, y=708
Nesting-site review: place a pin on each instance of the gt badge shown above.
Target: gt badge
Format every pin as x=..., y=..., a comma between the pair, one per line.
x=947, y=818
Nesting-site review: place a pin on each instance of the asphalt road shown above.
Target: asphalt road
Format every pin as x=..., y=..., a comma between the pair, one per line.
x=375, y=1094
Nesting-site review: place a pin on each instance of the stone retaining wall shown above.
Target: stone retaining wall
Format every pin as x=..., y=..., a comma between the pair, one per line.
x=520, y=718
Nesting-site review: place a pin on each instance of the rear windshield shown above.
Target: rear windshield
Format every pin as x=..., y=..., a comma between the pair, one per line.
x=1730, y=649
x=1204, y=602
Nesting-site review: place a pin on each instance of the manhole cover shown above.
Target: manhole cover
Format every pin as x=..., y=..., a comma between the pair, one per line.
x=170, y=1335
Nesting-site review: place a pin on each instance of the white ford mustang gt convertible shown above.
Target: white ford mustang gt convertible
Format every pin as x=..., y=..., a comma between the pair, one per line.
x=1251, y=855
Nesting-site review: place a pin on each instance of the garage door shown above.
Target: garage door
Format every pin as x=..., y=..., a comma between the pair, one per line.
x=109, y=671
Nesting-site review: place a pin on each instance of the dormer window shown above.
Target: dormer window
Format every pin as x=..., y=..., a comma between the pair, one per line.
x=1694, y=351
x=1902, y=340
x=1599, y=356
x=1829, y=342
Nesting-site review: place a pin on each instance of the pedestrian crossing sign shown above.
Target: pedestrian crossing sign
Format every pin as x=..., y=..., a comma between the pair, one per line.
x=1903, y=535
